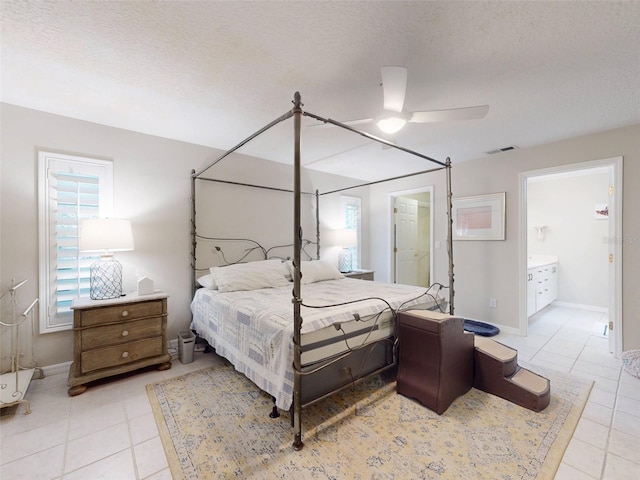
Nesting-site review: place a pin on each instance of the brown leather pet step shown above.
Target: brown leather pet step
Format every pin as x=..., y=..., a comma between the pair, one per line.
x=436, y=358
x=496, y=371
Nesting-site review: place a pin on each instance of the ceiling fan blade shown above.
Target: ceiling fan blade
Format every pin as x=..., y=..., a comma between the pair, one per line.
x=394, y=86
x=449, y=115
x=359, y=121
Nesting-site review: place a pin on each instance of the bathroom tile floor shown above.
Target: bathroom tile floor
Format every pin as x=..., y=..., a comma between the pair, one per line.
x=109, y=432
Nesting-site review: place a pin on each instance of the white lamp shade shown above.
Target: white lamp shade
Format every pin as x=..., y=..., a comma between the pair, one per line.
x=345, y=237
x=105, y=235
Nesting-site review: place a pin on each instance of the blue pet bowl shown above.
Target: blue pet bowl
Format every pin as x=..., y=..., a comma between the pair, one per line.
x=481, y=328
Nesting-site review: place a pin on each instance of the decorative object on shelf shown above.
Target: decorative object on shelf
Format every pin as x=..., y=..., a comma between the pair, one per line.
x=346, y=238
x=480, y=217
x=145, y=286
x=105, y=235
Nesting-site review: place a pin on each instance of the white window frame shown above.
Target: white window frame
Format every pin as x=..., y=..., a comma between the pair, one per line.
x=356, y=250
x=50, y=164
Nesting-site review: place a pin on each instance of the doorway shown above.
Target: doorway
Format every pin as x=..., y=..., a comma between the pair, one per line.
x=411, y=236
x=571, y=217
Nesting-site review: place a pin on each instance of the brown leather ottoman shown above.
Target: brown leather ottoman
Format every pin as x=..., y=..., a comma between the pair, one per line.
x=435, y=365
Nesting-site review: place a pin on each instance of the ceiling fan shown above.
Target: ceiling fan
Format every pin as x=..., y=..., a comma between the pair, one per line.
x=393, y=118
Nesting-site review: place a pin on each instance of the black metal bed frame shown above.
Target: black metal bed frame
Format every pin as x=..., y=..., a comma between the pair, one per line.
x=297, y=112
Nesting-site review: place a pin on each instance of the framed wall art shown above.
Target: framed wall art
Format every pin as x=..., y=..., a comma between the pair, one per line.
x=481, y=217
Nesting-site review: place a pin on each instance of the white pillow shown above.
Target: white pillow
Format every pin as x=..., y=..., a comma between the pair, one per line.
x=316, y=271
x=207, y=281
x=250, y=276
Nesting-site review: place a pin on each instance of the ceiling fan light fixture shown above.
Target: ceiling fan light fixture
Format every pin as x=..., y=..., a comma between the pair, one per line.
x=391, y=122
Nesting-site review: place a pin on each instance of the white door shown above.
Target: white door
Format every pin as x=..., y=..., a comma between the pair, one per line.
x=424, y=245
x=406, y=250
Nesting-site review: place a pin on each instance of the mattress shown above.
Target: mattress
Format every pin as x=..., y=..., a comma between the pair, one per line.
x=254, y=329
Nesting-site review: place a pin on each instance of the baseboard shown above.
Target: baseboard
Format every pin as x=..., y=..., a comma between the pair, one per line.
x=506, y=329
x=580, y=306
x=56, y=369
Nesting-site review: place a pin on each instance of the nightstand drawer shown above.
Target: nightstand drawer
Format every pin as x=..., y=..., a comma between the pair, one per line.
x=130, y=311
x=120, y=333
x=109, y=357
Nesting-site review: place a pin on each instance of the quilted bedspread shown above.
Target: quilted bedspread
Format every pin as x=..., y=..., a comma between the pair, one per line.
x=254, y=329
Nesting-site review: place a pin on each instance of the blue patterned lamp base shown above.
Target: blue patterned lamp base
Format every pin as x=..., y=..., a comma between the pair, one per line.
x=345, y=261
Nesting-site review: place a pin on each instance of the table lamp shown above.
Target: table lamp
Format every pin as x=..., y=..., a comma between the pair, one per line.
x=346, y=238
x=105, y=235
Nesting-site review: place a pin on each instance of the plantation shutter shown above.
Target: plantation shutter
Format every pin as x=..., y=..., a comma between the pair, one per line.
x=351, y=214
x=74, y=189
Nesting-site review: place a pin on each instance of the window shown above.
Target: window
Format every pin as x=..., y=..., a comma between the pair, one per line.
x=352, y=220
x=70, y=190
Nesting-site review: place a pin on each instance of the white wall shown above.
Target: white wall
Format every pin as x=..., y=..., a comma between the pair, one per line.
x=489, y=269
x=152, y=188
x=565, y=205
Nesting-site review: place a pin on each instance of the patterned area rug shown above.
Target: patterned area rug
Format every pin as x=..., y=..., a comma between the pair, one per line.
x=214, y=424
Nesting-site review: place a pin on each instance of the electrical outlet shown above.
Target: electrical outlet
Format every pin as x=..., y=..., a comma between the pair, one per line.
x=493, y=303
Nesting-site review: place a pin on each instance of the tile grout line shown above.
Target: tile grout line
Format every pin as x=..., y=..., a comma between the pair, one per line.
x=66, y=440
x=613, y=416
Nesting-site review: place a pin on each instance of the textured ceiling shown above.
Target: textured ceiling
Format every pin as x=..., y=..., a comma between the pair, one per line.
x=212, y=73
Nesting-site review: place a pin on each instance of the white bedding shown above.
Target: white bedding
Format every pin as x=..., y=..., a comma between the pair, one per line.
x=253, y=329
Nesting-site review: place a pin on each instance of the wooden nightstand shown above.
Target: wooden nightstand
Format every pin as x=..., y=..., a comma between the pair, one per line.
x=115, y=336
x=360, y=274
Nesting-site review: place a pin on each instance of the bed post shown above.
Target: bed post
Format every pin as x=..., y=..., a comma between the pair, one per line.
x=297, y=300
x=193, y=233
x=450, y=235
x=317, y=225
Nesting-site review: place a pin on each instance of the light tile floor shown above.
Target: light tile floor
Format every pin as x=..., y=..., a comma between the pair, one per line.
x=109, y=432
x=606, y=442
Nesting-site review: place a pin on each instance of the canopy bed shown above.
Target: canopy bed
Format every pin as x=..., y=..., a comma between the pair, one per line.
x=299, y=350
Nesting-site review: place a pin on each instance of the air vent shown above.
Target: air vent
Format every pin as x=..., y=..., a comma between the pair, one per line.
x=504, y=149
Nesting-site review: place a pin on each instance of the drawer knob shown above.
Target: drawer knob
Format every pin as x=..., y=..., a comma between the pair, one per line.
x=125, y=333
x=125, y=313
x=125, y=354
